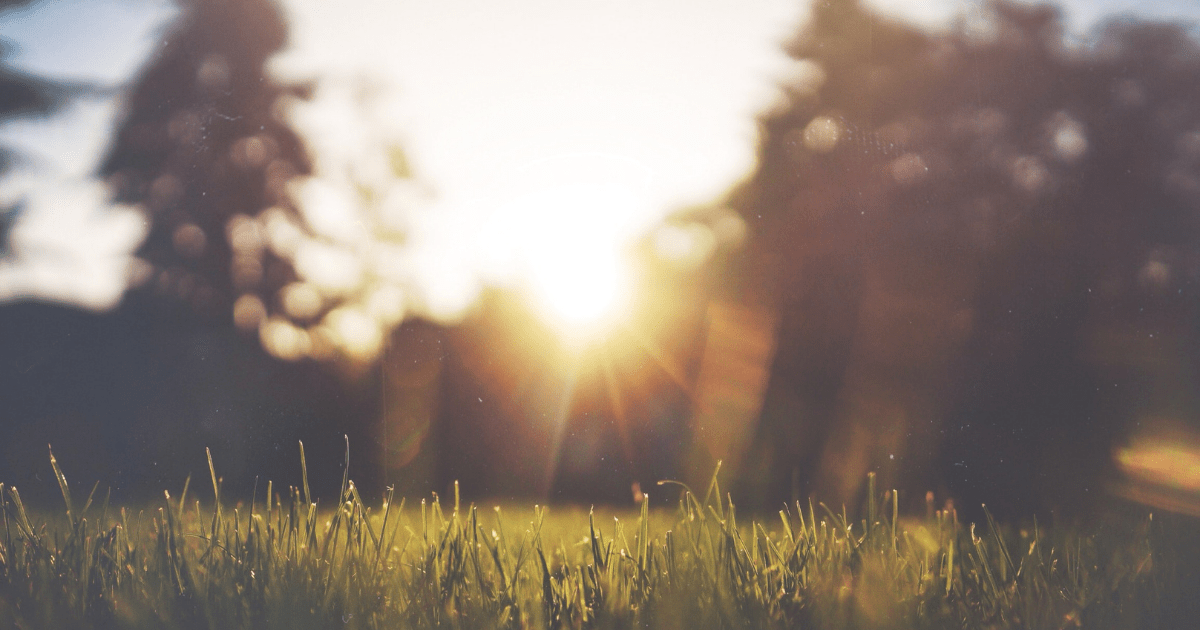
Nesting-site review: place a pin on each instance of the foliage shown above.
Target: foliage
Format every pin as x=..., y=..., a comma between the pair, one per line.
x=969, y=236
x=287, y=564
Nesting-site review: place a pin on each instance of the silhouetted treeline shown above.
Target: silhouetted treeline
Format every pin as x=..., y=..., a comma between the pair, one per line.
x=131, y=398
x=979, y=250
x=201, y=144
x=984, y=252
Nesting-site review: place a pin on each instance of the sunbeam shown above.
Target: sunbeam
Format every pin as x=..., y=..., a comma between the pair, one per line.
x=562, y=415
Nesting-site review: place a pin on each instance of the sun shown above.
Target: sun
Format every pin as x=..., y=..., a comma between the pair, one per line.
x=579, y=285
x=572, y=251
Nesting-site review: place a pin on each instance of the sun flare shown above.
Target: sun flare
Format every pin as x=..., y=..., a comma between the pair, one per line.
x=579, y=288
x=574, y=260
x=569, y=248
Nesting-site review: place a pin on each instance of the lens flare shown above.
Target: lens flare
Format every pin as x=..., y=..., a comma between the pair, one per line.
x=567, y=245
x=579, y=288
x=1161, y=466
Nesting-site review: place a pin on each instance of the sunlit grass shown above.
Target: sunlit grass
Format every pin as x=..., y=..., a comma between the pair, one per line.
x=285, y=562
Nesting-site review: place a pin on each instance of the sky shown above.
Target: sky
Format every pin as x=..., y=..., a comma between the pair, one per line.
x=513, y=118
x=505, y=110
x=69, y=244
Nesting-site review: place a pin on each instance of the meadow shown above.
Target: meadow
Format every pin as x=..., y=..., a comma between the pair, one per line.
x=284, y=561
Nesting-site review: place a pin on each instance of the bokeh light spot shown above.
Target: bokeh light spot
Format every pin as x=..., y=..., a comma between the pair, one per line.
x=332, y=269
x=284, y=340
x=249, y=312
x=822, y=134
x=355, y=332
x=301, y=300
x=1029, y=173
x=245, y=234
x=1070, y=141
x=189, y=240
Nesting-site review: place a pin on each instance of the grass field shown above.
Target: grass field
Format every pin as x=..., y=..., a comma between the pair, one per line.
x=285, y=562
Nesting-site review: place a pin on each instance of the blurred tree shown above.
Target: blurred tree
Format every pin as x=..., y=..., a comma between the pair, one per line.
x=973, y=238
x=280, y=209
x=200, y=146
x=202, y=153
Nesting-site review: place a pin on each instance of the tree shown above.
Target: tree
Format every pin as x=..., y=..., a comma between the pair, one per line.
x=265, y=217
x=958, y=229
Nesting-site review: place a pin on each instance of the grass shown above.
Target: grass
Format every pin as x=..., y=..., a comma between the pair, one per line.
x=285, y=563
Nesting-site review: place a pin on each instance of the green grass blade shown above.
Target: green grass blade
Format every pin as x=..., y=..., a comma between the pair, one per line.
x=304, y=475
x=62, y=485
